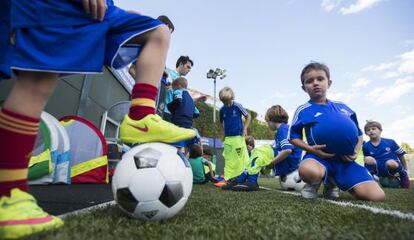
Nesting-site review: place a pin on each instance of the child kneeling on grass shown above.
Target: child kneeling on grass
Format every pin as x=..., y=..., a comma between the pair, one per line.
x=333, y=141
x=260, y=157
x=383, y=157
x=287, y=157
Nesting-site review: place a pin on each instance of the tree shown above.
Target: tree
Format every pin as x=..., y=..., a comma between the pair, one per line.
x=407, y=148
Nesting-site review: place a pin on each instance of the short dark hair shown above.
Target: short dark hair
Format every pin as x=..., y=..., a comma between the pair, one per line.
x=277, y=114
x=371, y=124
x=180, y=82
x=249, y=141
x=167, y=22
x=183, y=60
x=195, y=151
x=314, y=66
x=207, y=150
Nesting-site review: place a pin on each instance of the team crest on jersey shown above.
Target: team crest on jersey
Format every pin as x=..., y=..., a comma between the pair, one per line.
x=234, y=113
x=387, y=149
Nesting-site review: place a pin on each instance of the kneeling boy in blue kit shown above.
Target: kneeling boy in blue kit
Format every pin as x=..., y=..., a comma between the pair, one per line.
x=382, y=156
x=333, y=141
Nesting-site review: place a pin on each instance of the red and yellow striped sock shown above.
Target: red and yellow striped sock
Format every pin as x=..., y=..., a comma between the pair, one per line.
x=17, y=137
x=143, y=101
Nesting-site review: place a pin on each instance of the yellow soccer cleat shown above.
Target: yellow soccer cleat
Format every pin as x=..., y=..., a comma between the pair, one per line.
x=152, y=129
x=20, y=216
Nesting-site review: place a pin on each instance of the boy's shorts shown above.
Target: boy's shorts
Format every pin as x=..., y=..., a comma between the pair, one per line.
x=75, y=49
x=235, y=156
x=346, y=175
x=383, y=170
x=284, y=168
x=189, y=142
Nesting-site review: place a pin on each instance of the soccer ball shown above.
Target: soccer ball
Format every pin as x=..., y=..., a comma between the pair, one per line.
x=152, y=181
x=340, y=138
x=291, y=181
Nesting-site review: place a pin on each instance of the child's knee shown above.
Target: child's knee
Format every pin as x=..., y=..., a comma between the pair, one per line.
x=377, y=196
x=161, y=34
x=369, y=160
x=310, y=171
x=392, y=164
x=370, y=191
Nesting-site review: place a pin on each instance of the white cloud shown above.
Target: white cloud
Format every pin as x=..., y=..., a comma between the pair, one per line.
x=361, y=82
x=409, y=42
x=359, y=6
x=407, y=62
x=329, y=5
x=341, y=96
x=379, y=67
x=401, y=130
x=392, y=93
x=404, y=65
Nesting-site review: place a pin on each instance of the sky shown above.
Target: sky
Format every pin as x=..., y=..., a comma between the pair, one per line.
x=264, y=44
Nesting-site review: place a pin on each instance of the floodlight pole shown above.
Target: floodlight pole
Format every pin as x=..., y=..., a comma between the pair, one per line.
x=214, y=74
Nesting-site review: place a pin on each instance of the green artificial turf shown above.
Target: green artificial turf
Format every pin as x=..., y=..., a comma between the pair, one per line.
x=212, y=213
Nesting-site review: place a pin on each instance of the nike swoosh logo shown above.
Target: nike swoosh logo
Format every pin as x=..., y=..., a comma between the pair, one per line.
x=144, y=129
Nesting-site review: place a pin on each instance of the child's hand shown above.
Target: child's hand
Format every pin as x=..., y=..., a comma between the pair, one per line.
x=317, y=150
x=244, y=132
x=349, y=158
x=96, y=8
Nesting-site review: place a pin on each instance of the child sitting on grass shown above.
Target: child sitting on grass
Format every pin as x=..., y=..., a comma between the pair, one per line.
x=383, y=157
x=197, y=162
x=259, y=158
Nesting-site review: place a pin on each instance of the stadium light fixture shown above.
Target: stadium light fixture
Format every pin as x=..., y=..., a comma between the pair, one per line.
x=213, y=74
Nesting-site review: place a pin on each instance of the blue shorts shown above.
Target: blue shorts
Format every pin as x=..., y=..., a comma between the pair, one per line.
x=382, y=169
x=346, y=175
x=285, y=167
x=75, y=49
x=189, y=142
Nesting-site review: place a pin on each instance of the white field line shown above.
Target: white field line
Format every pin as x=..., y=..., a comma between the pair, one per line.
x=86, y=210
x=394, y=213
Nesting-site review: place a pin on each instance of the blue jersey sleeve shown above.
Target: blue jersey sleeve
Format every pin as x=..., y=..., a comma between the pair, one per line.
x=365, y=150
x=354, y=118
x=196, y=113
x=282, y=138
x=177, y=99
x=221, y=114
x=242, y=110
x=296, y=128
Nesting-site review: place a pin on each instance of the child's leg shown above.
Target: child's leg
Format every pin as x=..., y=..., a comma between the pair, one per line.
x=19, y=122
x=371, y=165
x=141, y=124
x=369, y=191
x=151, y=62
x=312, y=173
x=396, y=167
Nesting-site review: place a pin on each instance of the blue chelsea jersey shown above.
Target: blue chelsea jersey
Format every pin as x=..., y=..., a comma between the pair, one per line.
x=387, y=149
x=231, y=117
x=333, y=124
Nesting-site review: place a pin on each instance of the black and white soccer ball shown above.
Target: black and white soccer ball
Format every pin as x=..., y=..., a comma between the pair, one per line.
x=152, y=181
x=292, y=181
